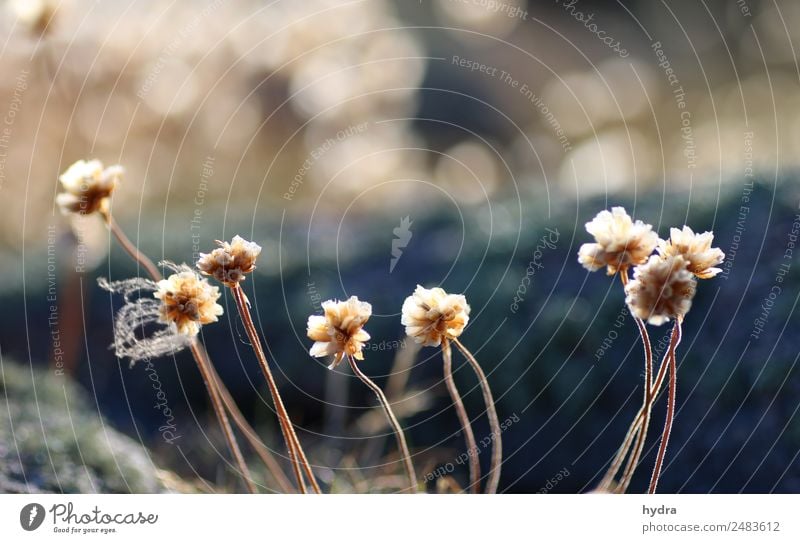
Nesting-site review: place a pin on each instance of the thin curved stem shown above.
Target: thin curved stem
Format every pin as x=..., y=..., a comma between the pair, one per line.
x=673, y=384
x=469, y=436
x=675, y=339
x=219, y=409
x=129, y=247
x=633, y=460
x=398, y=431
x=203, y=362
x=286, y=432
x=494, y=422
x=622, y=452
x=249, y=433
x=607, y=482
x=292, y=443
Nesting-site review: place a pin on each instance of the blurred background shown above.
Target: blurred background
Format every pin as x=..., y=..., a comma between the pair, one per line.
x=373, y=145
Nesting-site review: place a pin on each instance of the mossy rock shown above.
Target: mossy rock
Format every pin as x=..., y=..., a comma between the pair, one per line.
x=53, y=440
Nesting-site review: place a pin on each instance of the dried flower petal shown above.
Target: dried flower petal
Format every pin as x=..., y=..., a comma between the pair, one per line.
x=230, y=262
x=340, y=331
x=662, y=289
x=619, y=242
x=431, y=315
x=696, y=249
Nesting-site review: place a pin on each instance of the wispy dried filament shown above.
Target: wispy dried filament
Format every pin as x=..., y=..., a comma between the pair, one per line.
x=139, y=332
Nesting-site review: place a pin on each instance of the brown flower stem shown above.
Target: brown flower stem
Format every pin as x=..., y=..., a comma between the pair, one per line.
x=469, y=436
x=219, y=409
x=494, y=422
x=662, y=449
x=249, y=433
x=633, y=432
x=606, y=483
x=296, y=454
x=633, y=461
x=203, y=361
x=293, y=457
x=286, y=432
x=129, y=247
x=398, y=431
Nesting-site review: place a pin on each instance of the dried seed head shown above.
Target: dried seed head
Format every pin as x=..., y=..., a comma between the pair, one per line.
x=662, y=289
x=230, y=262
x=188, y=301
x=695, y=248
x=340, y=331
x=431, y=315
x=87, y=187
x=619, y=242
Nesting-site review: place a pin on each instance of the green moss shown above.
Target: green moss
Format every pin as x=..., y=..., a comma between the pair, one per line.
x=53, y=440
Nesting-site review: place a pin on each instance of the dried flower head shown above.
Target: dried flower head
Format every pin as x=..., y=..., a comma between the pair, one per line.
x=37, y=15
x=662, y=289
x=340, y=331
x=230, y=261
x=695, y=248
x=431, y=315
x=87, y=187
x=188, y=301
x=619, y=242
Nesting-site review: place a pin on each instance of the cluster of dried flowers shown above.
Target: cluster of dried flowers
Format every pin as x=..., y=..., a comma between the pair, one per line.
x=162, y=316
x=665, y=275
x=661, y=290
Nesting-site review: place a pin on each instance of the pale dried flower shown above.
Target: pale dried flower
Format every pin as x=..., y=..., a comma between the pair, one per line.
x=619, y=242
x=36, y=14
x=340, y=331
x=662, y=289
x=188, y=301
x=230, y=262
x=695, y=248
x=139, y=333
x=87, y=187
x=431, y=315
